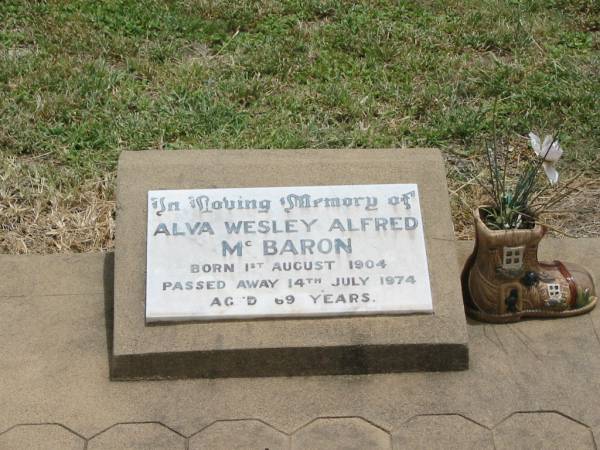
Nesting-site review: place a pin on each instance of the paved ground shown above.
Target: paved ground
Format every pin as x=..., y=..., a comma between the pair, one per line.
x=533, y=384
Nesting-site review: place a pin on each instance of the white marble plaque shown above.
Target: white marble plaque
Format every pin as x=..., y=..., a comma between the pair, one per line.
x=285, y=252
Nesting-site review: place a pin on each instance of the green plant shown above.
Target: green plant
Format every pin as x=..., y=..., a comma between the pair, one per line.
x=514, y=202
x=81, y=81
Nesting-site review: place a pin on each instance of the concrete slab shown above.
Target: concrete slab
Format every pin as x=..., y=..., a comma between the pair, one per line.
x=137, y=436
x=311, y=346
x=341, y=433
x=532, y=384
x=543, y=430
x=41, y=437
x=239, y=435
x=442, y=431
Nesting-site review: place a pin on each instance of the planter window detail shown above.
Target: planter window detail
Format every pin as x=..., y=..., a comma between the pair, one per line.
x=554, y=291
x=513, y=257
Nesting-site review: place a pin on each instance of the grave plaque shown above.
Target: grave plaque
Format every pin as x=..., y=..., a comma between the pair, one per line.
x=285, y=252
x=243, y=263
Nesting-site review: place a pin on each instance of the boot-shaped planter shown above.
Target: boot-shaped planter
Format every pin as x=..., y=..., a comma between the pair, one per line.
x=503, y=280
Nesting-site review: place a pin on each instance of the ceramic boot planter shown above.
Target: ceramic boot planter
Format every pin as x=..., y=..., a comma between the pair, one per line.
x=503, y=280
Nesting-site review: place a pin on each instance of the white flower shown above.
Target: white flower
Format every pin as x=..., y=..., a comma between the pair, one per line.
x=550, y=151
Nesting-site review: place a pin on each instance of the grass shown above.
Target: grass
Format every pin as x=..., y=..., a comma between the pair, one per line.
x=80, y=81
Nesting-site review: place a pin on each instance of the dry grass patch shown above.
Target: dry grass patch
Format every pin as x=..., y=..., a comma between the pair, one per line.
x=576, y=215
x=36, y=217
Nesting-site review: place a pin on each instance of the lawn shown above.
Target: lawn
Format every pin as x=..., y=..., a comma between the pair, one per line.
x=82, y=80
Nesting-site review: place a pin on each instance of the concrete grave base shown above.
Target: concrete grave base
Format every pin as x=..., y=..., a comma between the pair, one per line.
x=532, y=384
x=310, y=346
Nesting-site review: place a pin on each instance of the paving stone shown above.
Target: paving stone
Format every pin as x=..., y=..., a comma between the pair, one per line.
x=596, y=433
x=55, y=367
x=40, y=437
x=137, y=436
x=442, y=432
x=342, y=434
x=239, y=435
x=541, y=430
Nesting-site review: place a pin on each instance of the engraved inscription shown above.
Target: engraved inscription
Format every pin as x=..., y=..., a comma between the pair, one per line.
x=285, y=252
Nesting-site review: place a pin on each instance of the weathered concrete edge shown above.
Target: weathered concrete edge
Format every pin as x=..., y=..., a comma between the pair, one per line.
x=303, y=361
